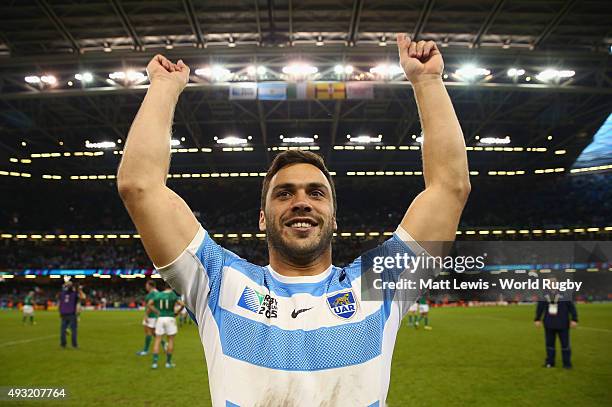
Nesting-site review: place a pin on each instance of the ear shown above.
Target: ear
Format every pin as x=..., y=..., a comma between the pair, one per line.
x=262, y=221
x=335, y=224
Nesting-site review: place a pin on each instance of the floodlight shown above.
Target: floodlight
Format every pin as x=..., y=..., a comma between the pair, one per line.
x=469, y=72
x=300, y=69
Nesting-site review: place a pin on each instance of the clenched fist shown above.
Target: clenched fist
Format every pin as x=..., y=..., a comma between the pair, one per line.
x=419, y=59
x=162, y=70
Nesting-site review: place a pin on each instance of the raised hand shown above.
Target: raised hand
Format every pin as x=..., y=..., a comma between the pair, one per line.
x=420, y=58
x=161, y=69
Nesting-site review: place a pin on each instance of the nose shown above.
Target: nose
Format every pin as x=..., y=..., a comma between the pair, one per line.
x=300, y=203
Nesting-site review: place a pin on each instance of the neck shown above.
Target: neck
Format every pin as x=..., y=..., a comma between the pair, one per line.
x=292, y=268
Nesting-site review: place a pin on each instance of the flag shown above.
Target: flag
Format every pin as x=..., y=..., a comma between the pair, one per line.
x=243, y=91
x=272, y=91
x=359, y=90
x=329, y=90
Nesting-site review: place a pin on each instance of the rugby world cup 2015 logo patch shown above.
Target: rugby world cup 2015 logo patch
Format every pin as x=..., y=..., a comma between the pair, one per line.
x=250, y=299
x=258, y=303
x=343, y=304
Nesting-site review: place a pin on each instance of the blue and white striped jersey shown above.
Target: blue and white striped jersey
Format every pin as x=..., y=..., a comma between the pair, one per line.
x=272, y=340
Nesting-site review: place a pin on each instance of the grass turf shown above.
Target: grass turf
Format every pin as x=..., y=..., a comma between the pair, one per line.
x=473, y=356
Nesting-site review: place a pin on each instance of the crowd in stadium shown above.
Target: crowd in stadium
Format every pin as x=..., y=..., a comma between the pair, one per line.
x=563, y=201
x=231, y=205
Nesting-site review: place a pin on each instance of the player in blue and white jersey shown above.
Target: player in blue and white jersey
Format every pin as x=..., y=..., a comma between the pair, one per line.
x=296, y=332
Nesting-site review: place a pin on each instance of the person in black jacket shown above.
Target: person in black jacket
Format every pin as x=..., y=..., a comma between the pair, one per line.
x=557, y=312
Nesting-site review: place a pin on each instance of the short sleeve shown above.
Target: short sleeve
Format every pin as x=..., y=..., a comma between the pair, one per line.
x=376, y=272
x=195, y=274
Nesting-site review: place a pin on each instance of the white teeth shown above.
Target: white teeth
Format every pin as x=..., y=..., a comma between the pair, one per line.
x=301, y=225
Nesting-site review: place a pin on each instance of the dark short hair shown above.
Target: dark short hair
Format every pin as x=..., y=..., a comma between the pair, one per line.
x=290, y=157
x=151, y=283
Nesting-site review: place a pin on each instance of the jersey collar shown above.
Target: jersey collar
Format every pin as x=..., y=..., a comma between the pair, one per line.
x=300, y=279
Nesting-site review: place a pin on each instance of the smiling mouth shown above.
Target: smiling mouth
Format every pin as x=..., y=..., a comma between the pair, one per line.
x=301, y=224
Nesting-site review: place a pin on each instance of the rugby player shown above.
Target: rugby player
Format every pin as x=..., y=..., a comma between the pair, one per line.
x=413, y=318
x=149, y=319
x=423, y=314
x=163, y=305
x=296, y=331
x=28, y=308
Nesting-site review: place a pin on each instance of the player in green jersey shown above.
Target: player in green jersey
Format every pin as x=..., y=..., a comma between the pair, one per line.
x=163, y=305
x=28, y=308
x=424, y=313
x=149, y=319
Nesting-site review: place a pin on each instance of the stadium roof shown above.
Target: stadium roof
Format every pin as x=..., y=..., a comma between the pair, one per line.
x=63, y=38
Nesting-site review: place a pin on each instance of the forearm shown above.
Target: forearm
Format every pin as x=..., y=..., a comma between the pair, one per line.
x=444, y=154
x=573, y=312
x=146, y=155
x=539, y=311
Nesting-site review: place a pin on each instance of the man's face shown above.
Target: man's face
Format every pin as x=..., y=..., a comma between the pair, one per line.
x=299, y=216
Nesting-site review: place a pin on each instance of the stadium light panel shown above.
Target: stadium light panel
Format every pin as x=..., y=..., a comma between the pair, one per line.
x=232, y=140
x=364, y=139
x=129, y=76
x=495, y=140
x=515, y=72
x=134, y=76
x=253, y=70
x=48, y=79
x=343, y=69
x=103, y=144
x=300, y=69
x=388, y=70
x=84, y=77
x=215, y=72
x=471, y=72
x=552, y=74
x=32, y=79
x=298, y=140
x=118, y=75
x=174, y=142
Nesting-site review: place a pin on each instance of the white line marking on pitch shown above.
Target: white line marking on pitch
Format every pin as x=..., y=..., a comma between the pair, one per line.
x=594, y=329
x=40, y=338
x=588, y=328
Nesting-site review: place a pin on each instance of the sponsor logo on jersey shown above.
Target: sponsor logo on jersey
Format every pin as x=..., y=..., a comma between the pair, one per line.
x=258, y=303
x=343, y=304
x=297, y=312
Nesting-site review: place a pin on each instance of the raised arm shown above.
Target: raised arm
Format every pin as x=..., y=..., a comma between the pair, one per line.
x=164, y=221
x=434, y=214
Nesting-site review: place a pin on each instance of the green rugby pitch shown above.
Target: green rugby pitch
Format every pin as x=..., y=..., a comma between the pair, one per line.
x=484, y=356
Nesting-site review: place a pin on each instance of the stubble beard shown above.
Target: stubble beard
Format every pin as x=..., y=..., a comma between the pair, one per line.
x=296, y=251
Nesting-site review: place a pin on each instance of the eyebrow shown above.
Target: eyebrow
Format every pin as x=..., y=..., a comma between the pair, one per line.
x=310, y=185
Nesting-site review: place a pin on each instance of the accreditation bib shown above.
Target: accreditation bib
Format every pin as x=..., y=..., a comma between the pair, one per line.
x=552, y=309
